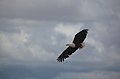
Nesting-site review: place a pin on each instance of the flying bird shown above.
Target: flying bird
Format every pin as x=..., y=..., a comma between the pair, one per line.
x=76, y=44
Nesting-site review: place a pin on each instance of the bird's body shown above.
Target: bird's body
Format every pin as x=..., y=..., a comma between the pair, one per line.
x=77, y=43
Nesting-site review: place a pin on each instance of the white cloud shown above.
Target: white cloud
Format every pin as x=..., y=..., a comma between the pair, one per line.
x=17, y=46
x=68, y=30
x=11, y=42
x=40, y=54
x=96, y=44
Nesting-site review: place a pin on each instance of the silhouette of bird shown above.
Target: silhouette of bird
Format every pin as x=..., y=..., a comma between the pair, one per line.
x=77, y=43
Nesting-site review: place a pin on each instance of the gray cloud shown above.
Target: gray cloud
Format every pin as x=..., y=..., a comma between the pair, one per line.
x=34, y=34
x=82, y=10
x=28, y=45
x=90, y=75
x=43, y=9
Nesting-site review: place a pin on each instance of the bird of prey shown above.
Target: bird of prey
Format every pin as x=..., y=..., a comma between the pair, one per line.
x=77, y=43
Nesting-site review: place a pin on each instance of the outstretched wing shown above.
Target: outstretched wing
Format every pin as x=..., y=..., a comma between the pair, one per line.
x=79, y=38
x=66, y=53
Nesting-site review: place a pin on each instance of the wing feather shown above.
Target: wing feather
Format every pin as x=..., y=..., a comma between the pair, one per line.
x=79, y=38
x=68, y=51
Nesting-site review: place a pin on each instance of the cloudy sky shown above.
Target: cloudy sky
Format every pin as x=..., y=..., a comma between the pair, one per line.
x=33, y=33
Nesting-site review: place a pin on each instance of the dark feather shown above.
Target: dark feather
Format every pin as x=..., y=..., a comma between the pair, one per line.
x=79, y=38
x=66, y=53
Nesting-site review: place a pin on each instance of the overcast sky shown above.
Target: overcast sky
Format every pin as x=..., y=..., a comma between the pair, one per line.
x=33, y=33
